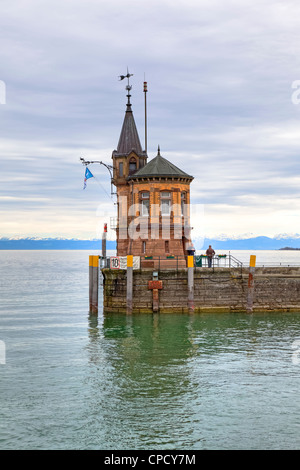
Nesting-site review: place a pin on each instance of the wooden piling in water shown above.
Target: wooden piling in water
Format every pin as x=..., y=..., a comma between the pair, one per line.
x=104, y=242
x=90, y=280
x=191, y=305
x=129, y=293
x=93, y=283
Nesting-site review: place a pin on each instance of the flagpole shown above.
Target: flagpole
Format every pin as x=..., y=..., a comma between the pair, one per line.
x=109, y=167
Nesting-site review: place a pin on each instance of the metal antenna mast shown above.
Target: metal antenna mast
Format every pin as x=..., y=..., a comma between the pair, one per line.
x=145, y=91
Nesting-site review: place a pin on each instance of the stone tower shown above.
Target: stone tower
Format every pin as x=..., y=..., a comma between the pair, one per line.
x=153, y=199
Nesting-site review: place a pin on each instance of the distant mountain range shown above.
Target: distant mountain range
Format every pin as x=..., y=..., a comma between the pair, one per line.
x=33, y=243
x=255, y=243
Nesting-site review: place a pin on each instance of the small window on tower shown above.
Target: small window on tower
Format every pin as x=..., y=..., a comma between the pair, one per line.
x=143, y=247
x=121, y=169
x=132, y=166
x=167, y=246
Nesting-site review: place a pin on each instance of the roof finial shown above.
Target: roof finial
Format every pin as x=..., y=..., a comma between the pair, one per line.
x=158, y=151
x=128, y=87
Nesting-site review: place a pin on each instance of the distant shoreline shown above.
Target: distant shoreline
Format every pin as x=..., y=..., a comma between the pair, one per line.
x=289, y=248
x=255, y=243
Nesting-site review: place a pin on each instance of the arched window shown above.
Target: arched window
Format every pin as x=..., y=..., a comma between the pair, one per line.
x=132, y=165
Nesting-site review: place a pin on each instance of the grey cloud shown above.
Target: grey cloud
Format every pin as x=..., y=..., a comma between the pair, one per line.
x=219, y=102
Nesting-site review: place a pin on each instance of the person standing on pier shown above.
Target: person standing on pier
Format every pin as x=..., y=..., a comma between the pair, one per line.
x=191, y=250
x=210, y=252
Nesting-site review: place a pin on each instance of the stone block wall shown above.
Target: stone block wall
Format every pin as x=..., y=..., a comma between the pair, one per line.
x=215, y=290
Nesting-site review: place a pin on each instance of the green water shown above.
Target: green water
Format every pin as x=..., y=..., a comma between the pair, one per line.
x=74, y=381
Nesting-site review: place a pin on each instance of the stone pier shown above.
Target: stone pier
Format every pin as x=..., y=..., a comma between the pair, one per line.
x=215, y=290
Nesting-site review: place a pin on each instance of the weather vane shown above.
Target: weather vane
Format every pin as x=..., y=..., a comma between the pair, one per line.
x=121, y=77
x=128, y=87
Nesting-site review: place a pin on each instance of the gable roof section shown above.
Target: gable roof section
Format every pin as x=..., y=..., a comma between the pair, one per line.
x=160, y=166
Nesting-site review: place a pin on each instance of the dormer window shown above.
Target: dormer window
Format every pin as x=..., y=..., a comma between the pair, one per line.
x=132, y=165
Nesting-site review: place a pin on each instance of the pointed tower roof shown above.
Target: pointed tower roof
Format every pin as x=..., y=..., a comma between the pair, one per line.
x=160, y=166
x=129, y=138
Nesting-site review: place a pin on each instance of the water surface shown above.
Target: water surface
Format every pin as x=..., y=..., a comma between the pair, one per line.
x=75, y=381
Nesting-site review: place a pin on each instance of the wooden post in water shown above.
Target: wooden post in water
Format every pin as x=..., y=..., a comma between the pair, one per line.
x=90, y=280
x=129, y=284
x=93, y=283
x=250, y=295
x=104, y=244
x=191, y=306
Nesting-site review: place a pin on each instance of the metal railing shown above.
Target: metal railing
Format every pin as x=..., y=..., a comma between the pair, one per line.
x=277, y=264
x=224, y=261
x=177, y=262
x=104, y=262
x=167, y=262
x=170, y=262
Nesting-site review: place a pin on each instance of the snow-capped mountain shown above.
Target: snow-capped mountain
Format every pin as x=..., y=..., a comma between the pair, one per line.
x=219, y=242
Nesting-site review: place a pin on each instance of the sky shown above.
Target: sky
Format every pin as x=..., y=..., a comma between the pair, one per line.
x=223, y=103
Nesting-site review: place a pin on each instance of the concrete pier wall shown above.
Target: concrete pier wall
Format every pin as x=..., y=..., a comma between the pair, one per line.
x=215, y=290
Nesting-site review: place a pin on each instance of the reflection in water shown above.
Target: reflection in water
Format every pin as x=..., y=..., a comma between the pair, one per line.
x=181, y=381
x=145, y=362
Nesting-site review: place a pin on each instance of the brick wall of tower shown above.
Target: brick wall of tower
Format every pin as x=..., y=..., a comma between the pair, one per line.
x=153, y=235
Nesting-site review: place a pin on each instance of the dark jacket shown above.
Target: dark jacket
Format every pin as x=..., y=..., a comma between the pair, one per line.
x=210, y=252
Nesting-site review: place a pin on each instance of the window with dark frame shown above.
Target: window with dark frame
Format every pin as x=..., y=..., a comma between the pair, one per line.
x=183, y=203
x=145, y=204
x=132, y=166
x=165, y=203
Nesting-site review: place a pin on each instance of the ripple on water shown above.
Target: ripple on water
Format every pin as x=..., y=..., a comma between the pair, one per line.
x=172, y=381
